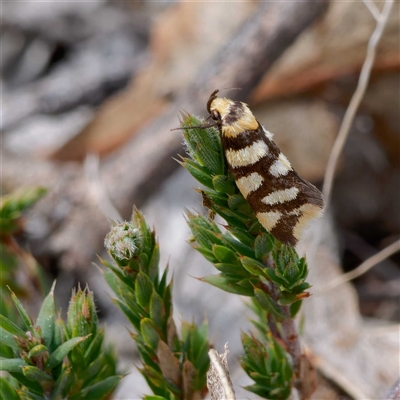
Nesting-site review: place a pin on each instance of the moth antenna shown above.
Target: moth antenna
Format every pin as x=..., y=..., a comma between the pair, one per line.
x=194, y=127
x=213, y=96
x=232, y=88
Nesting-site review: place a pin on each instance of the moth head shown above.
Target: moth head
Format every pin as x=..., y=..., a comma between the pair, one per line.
x=212, y=109
x=233, y=117
x=218, y=107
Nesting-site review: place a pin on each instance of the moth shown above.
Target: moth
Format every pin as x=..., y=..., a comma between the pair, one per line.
x=282, y=201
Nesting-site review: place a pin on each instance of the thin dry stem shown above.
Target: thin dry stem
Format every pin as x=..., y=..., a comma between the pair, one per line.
x=373, y=9
x=362, y=268
x=292, y=340
x=355, y=100
x=351, y=111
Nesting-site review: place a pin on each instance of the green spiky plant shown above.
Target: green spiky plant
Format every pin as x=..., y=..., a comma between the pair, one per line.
x=250, y=263
x=52, y=359
x=14, y=260
x=174, y=366
x=46, y=359
x=13, y=257
x=49, y=359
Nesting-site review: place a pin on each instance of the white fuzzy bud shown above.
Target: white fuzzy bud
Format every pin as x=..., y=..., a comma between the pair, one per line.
x=123, y=241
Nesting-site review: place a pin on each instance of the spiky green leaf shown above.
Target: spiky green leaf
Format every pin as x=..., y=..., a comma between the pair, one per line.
x=263, y=246
x=225, y=255
x=253, y=266
x=143, y=290
x=198, y=172
x=222, y=184
x=12, y=364
x=157, y=310
x=149, y=332
x=7, y=391
x=267, y=303
x=61, y=352
x=22, y=312
x=98, y=390
x=36, y=374
x=46, y=318
x=226, y=284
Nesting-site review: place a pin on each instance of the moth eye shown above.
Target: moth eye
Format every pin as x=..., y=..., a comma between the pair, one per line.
x=215, y=115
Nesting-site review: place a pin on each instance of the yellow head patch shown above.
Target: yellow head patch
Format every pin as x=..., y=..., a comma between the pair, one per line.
x=235, y=116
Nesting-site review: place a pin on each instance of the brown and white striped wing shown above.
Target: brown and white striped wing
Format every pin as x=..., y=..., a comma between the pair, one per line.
x=283, y=202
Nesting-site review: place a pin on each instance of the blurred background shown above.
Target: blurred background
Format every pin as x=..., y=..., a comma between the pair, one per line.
x=90, y=91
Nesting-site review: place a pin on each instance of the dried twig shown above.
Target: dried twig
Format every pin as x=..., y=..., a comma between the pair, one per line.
x=364, y=267
x=373, y=9
x=218, y=381
x=349, y=117
x=355, y=100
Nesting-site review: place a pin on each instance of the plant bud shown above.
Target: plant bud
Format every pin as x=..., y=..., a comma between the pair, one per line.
x=123, y=241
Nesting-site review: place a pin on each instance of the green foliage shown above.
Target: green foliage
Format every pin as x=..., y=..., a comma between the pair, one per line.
x=55, y=359
x=174, y=368
x=289, y=275
x=52, y=360
x=261, y=256
x=12, y=256
x=204, y=147
x=15, y=261
x=12, y=206
x=268, y=364
x=249, y=260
